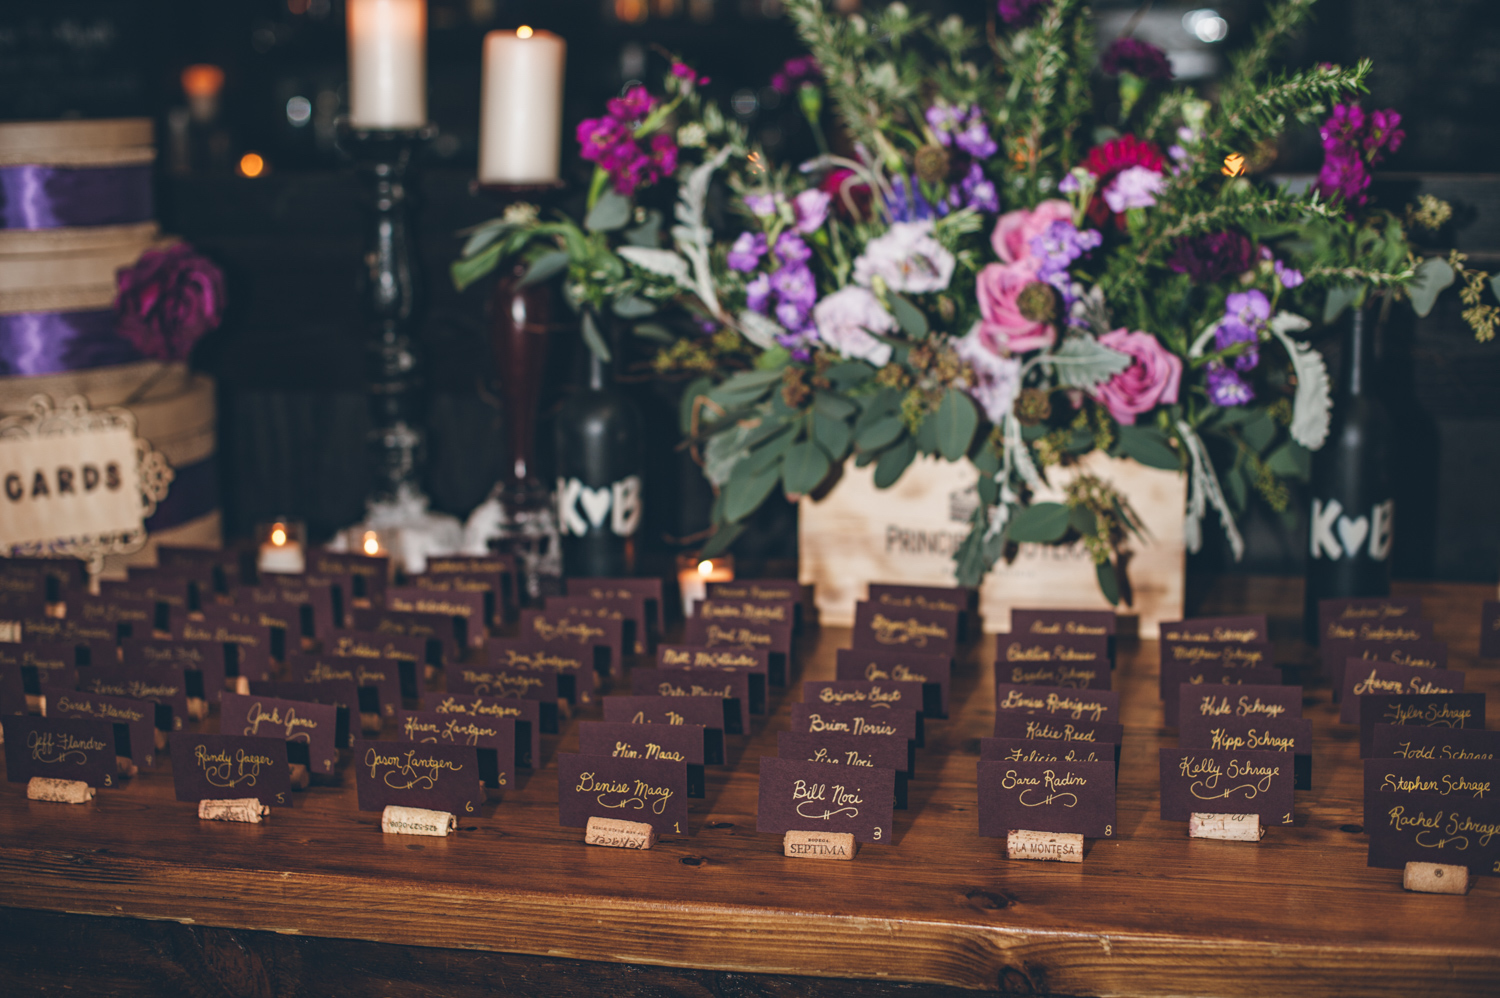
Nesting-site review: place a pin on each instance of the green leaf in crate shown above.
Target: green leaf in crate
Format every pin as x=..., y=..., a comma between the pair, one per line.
x=1259, y=430
x=747, y=489
x=1040, y=523
x=894, y=461
x=804, y=468
x=1235, y=486
x=833, y=435
x=913, y=322
x=881, y=433
x=1149, y=447
x=1109, y=582
x=849, y=373
x=1291, y=460
x=957, y=419
x=1082, y=519
x=545, y=267
x=834, y=406
x=1433, y=275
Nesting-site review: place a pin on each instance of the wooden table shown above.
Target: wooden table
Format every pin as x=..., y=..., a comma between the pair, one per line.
x=1148, y=913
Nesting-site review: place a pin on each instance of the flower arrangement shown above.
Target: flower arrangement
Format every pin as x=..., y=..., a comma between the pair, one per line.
x=1002, y=267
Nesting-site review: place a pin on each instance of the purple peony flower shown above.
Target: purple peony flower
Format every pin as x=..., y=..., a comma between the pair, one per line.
x=167, y=300
x=1017, y=12
x=1245, y=315
x=1131, y=55
x=1211, y=258
x=1226, y=388
x=745, y=253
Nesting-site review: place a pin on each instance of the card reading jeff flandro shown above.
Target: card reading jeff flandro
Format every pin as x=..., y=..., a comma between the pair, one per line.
x=815, y=797
x=224, y=767
x=1076, y=798
x=1202, y=780
x=60, y=749
x=433, y=777
x=645, y=790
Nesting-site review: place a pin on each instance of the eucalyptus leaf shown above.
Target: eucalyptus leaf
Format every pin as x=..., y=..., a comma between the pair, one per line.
x=694, y=389
x=1082, y=520
x=662, y=263
x=470, y=269
x=632, y=307
x=648, y=233
x=1149, y=447
x=957, y=419
x=1109, y=582
x=747, y=489
x=593, y=339
x=1237, y=489
x=483, y=236
x=834, y=406
x=770, y=454
x=653, y=331
x=1291, y=460
x=743, y=388
x=545, y=267
x=609, y=213
x=894, y=462
x=913, y=322
x=726, y=535
x=1433, y=275
x=1258, y=431
x=723, y=452
x=849, y=373
x=927, y=434
x=1340, y=297
x=881, y=433
x=833, y=435
x=1039, y=523
x=803, y=468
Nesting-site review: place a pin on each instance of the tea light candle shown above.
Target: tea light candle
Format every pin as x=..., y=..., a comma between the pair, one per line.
x=281, y=553
x=387, y=63
x=693, y=579
x=520, y=107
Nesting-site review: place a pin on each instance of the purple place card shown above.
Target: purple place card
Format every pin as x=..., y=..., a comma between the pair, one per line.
x=60, y=749
x=932, y=631
x=226, y=625
x=495, y=681
x=501, y=567
x=1366, y=610
x=309, y=729
x=1042, y=750
x=1255, y=702
x=1243, y=629
x=948, y=599
x=1043, y=623
x=283, y=620
x=631, y=612
x=649, y=590
x=705, y=712
x=1407, y=629
x=438, y=635
x=406, y=653
x=432, y=777
x=12, y=689
x=464, y=604
x=137, y=718
x=848, y=719
x=682, y=743
x=1180, y=677
x=52, y=629
x=1410, y=828
x=1457, y=783
x=755, y=664
x=1059, y=704
x=365, y=577
x=605, y=636
x=227, y=767
x=48, y=663
x=129, y=618
x=1045, y=727
x=165, y=687
x=312, y=596
x=1073, y=662
x=814, y=797
x=490, y=587
x=1291, y=735
x=762, y=589
x=1402, y=741
x=860, y=752
x=934, y=672
x=750, y=610
x=1489, y=630
x=1244, y=782
x=774, y=639
x=732, y=688
x=576, y=678
x=1428, y=710
x=527, y=715
x=1362, y=676
x=340, y=694
x=1421, y=654
x=379, y=678
x=494, y=737
x=644, y=790
x=1181, y=655
x=1075, y=798
x=201, y=659
x=873, y=697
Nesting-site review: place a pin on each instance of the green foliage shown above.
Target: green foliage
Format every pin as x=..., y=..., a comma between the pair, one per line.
x=1039, y=523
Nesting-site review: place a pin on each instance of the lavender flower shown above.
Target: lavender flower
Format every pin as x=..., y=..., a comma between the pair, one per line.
x=794, y=284
x=1226, y=388
x=975, y=191
x=791, y=315
x=1245, y=315
x=908, y=204
x=962, y=126
x=1288, y=277
x=811, y=208
x=791, y=249
x=1133, y=187
x=763, y=205
x=975, y=138
x=1056, y=249
x=758, y=293
x=907, y=258
x=746, y=252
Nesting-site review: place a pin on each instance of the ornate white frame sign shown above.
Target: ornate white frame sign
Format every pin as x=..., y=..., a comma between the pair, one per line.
x=76, y=481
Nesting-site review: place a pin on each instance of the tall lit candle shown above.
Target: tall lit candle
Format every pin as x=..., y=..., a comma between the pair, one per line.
x=387, y=63
x=520, y=107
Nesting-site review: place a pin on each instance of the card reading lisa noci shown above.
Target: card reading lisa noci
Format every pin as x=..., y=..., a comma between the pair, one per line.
x=815, y=797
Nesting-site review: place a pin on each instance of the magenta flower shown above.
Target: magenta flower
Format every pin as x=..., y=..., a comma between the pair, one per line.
x=794, y=73
x=1352, y=143
x=1210, y=258
x=811, y=208
x=167, y=300
x=1017, y=12
x=1131, y=55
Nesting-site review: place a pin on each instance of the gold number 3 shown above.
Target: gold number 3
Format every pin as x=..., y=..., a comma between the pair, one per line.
x=877, y=834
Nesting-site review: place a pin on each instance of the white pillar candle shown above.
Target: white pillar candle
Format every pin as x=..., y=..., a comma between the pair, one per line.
x=520, y=107
x=387, y=63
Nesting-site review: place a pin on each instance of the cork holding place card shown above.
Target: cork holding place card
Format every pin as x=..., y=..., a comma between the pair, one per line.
x=60, y=749
x=815, y=797
x=931, y=631
x=1411, y=828
x=754, y=663
x=1425, y=710
x=1363, y=676
x=662, y=742
x=644, y=790
x=1072, y=797
x=431, y=777
x=604, y=636
x=494, y=737
x=309, y=729
x=934, y=672
x=219, y=767
x=732, y=688
x=1072, y=662
x=134, y=721
x=774, y=639
x=1200, y=781
x=1397, y=741
x=525, y=713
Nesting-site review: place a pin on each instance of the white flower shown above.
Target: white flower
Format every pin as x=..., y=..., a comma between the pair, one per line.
x=1134, y=187
x=997, y=380
x=845, y=320
x=907, y=258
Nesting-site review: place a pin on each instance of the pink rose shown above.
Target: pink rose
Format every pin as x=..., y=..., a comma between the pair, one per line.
x=1004, y=329
x=1150, y=381
x=1015, y=230
x=167, y=300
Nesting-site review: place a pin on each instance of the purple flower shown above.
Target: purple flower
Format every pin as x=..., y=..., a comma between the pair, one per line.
x=762, y=205
x=758, y=293
x=1226, y=388
x=792, y=316
x=1016, y=12
x=1384, y=134
x=847, y=318
x=795, y=284
x=1210, y=258
x=1131, y=55
x=941, y=118
x=907, y=203
x=1352, y=143
x=167, y=300
x=1344, y=175
x=962, y=126
x=975, y=191
x=746, y=252
x=794, y=73
x=635, y=105
x=1245, y=314
x=1133, y=187
x=975, y=138
x=1057, y=247
x=791, y=249
x=1069, y=184
x=1288, y=277
x=811, y=208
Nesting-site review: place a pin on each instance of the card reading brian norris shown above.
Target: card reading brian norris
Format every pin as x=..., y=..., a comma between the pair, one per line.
x=1421, y=710
x=647, y=790
x=434, y=777
x=220, y=767
x=1076, y=798
x=816, y=797
x=1409, y=828
x=60, y=749
x=850, y=719
x=313, y=725
x=1362, y=677
x=934, y=672
x=1202, y=780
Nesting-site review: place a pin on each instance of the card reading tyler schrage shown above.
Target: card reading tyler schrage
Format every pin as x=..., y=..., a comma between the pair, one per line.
x=1420, y=710
x=1363, y=677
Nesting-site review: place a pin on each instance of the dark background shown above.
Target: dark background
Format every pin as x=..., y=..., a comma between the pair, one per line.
x=288, y=358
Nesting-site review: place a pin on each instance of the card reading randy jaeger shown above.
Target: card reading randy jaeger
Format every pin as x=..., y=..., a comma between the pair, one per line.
x=60, y=749
x=1410, y=828
x=219, y=767
x=434, y=777
x=1205, y=781
x=1424, y=710
x=1072, y=662
x=312, y=724
x=816, y=797
x=1362, y=677
x=645, y=790
x=1076, y=798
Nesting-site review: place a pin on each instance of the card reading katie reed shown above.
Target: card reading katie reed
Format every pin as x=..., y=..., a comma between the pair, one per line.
x=816, y=797
x=60, y=749
x=1080, y=663
x=1422, y=710
x=646, y=790
x=931, y=631
x=1045, y=727
x=1410, y=828
x=306, y=727
x=1057, y=704
x=219, y=767
x=434, y=777
x=1198, y=780
x=1362, y=677
x=934, y=672
x=1076, y=798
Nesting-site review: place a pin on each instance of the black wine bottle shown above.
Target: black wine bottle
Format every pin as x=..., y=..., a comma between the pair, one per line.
x=1352, y=523
x=598, y=479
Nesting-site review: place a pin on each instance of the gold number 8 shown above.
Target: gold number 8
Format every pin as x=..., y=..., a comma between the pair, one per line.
x=1109, y=830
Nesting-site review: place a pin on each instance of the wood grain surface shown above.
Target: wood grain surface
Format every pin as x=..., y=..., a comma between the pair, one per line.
x=1148, y=913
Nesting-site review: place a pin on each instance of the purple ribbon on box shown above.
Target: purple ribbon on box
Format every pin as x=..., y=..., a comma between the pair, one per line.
x=54, y=342
x=53, y=197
